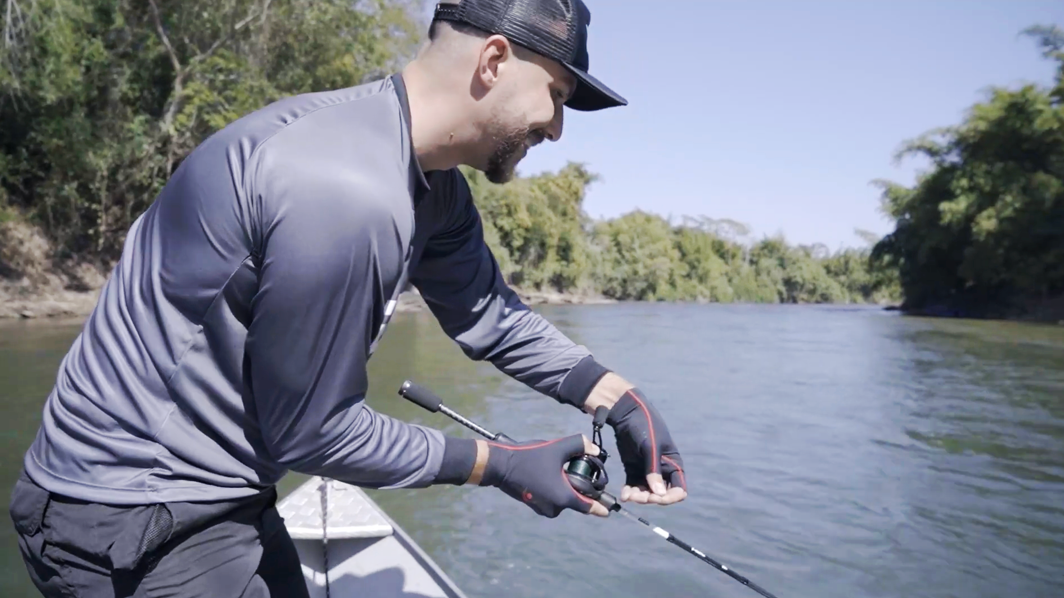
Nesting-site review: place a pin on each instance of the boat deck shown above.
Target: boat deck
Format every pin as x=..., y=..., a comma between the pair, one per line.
x=368, y=553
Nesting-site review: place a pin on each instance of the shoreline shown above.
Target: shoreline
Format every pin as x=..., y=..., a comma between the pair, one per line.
x=62, y=299
x=35, y=285
x=19, y=300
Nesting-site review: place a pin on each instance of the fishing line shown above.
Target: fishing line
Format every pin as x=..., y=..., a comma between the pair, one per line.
x=586, y=473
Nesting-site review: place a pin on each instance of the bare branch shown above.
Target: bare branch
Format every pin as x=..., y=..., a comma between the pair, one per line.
x=8, y=25
x=264, y=34
x=14, y=24
x=163, y=36
x=15, y=32
x=220, y=41
x=181, y=73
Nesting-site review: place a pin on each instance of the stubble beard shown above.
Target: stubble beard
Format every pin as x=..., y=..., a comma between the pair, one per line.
x=508, y=152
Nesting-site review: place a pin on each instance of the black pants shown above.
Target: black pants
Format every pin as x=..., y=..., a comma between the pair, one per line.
x=78, y=549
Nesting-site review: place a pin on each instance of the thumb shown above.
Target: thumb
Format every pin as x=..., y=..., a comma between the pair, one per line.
x=577, y=445
x=590, y=447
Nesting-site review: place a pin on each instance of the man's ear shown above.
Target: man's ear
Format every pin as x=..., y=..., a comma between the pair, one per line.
x=495, y=53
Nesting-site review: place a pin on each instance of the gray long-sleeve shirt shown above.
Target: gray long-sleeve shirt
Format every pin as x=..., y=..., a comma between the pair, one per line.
x=230, y=343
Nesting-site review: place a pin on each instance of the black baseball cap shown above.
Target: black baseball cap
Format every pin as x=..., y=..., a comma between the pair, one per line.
x=556, y=29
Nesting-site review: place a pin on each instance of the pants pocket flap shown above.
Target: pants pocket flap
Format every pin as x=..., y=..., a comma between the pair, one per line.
x=28, y=502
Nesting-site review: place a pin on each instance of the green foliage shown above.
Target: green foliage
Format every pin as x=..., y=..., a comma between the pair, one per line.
x=983, y=229
x=543, y=240
x=703, y=272
x=536, y=226
x=100, y=100
x=639, y=259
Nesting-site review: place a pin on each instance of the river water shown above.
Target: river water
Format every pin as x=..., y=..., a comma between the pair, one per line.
x=830, y=452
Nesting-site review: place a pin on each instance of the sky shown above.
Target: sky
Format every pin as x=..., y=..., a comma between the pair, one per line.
x=781, y=114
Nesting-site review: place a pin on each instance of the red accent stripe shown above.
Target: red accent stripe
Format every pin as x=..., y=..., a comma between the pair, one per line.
x=683, y=482
x=523, y=448
x=653, y=443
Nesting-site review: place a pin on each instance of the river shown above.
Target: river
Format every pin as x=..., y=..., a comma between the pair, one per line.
x=830, y=452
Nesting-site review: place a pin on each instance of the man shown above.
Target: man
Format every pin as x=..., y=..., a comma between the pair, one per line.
x=230, y=343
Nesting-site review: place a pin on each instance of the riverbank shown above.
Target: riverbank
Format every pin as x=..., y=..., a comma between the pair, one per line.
x=412, y=302
x=1038, y=311
x=54, y=298
x=72, y=292
x=34, y=284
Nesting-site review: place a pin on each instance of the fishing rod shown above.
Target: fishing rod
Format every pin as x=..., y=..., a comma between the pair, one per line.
x=587, y=474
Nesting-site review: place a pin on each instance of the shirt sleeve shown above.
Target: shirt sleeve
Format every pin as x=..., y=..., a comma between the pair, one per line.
x=326, y=247
x=464, y=288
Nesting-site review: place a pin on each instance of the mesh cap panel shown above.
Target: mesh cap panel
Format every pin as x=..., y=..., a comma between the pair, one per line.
x=556, y=29
x=549, y=27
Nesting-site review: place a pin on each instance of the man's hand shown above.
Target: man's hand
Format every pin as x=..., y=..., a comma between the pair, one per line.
x=534, y=473
x=652, y=463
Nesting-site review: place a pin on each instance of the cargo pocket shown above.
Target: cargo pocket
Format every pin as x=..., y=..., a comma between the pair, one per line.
x=28, y=503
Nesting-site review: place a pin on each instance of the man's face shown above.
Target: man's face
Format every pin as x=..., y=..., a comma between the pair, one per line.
x=527, y=109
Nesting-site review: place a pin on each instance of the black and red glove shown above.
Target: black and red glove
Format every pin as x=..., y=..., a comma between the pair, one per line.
x=534, y=473
x=644, y=443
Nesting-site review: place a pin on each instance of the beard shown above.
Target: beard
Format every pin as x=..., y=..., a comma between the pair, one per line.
x=509, y=149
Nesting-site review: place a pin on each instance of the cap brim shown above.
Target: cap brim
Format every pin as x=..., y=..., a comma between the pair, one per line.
x=591, y=94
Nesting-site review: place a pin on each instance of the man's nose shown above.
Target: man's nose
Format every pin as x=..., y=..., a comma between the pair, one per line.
x=554, y=129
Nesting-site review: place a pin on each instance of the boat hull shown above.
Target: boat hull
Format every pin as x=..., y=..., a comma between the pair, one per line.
x=365, y=554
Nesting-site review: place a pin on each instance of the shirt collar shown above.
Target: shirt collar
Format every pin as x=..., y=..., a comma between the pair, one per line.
x=421, y=183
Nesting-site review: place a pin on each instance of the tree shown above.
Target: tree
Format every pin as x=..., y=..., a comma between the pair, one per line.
x=983, y=230
x=536, y=226
x=100, y=100
x=639, y=258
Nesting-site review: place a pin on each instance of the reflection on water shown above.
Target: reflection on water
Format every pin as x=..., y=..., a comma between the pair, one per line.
x=830, y=452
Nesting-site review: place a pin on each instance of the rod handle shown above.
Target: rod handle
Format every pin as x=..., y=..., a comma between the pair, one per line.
x=609, y=501
x=420, y=395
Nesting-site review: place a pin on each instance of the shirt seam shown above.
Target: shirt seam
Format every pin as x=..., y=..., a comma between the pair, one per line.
x=177, y=367
x=258, y=148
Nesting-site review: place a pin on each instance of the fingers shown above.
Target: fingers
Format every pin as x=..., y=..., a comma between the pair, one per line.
x=655, y=491
x=640, y=495
x=656, y=484
x=599, y=510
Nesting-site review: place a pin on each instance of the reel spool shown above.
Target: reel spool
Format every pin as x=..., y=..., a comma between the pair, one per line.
x=588, y=474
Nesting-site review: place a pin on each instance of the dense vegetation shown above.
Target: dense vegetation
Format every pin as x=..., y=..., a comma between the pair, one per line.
x=542, y=238
x=982, y=231
x=101, y=99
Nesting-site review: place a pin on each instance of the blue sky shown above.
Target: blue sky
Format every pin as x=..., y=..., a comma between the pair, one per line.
x=780, y=114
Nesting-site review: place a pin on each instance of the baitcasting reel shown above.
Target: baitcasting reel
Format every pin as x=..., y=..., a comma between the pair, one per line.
x=588, y=474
